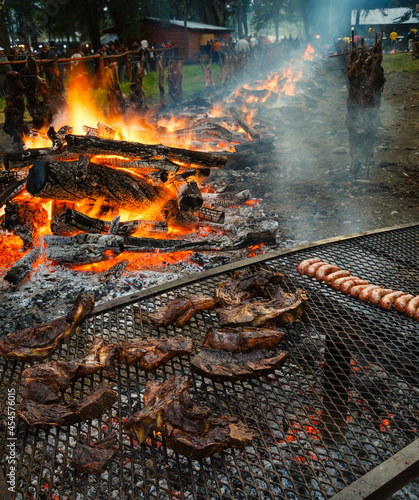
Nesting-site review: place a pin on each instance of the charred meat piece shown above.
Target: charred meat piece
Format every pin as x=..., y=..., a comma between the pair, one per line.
x=246, y=285
x=89, y=408
x=284, y=308
x=187, y=428
x=243, y=339
x=181, y=310
x=40, y=341
x=94, y=458
x=44, y=381
x=149, y=354
x=224, y=365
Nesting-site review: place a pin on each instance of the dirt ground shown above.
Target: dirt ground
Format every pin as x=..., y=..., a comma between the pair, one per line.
x=313, y=194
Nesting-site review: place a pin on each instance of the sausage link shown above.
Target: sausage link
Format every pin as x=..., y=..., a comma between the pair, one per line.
x=330, y=278
x=377, y=294
x=312, y=268
x=364, y=294
x=412, y=306
x=324, y=270
x=387, y=300
x=347, y=285
x=356, y=290
x=338, y=282
x=401, y=302
x=303, y=265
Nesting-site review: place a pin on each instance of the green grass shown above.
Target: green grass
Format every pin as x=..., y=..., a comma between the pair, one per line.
x=401, y=62
x=193, y=82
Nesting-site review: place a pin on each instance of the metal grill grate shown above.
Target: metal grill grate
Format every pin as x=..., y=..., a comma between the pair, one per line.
x=346, y=400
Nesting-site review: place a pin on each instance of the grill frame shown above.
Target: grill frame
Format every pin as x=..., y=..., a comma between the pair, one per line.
x=253, y=401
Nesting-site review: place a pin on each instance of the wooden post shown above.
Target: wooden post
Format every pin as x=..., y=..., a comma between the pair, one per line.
x=128, y=63
x=101, y=76
x=161, y=80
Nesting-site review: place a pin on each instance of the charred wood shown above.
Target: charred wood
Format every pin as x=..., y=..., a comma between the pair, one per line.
x=189, y=196
x=151, y=164
x=113, y=272
x=72, y=181
x=98, y=146
x=211, y=215
x=22, y=267
x=226, y=199
x=83, y=248
x=82, y=222
x=20, y=219
x=134, y=244
x=58, y=223
x=14, y=160
x=12, y=190
x=241, y=120
x=265, y=143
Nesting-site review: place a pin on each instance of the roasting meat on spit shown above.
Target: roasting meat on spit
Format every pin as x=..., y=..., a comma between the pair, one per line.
x=148, y=354
x=40, y=341
x=89, y=408
x=187, y=428
x=358, y=288
x=181, y=310
x=93, y=458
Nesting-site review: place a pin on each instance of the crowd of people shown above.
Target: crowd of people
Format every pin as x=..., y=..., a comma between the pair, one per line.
x=393, y=40
x=247, y=45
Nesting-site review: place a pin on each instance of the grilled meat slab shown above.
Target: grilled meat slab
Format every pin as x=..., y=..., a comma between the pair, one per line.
x=44, y=381
x=188, y=429
x=94, y=458
x=181, y=310
x=148, y=354
x=246, y=285
x=40, y=341
x=91, y=407
x=224, y=365
x=243, y=339
x=284, y=308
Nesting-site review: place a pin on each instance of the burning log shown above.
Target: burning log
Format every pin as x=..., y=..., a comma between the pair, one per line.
x=154, y=164
x=22, y=267
x=13, y=188
x=20, y=219
x=134, y=244
x=114, y=271
x=161, y=81
x=211, y=215
x=58, y=138
x=81, y=248
x=117, y=100
x=15, y=108
x=137, y=95
x=240, y=119
x=259, y=146
x=226, y=199
x=203, y=130
x=98, y=146
x=15, y=160
x=189, y=196
x=174, y=79
x=208, y=78
x=67, y=181
x=82, y=222
x=58, y=223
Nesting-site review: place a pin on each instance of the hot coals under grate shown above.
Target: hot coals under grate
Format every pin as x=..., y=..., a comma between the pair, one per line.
x=346, y=400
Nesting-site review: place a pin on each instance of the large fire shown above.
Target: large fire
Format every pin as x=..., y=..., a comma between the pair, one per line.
x=84, y=114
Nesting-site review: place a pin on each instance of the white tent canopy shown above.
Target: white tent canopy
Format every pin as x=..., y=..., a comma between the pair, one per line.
x=382, y=16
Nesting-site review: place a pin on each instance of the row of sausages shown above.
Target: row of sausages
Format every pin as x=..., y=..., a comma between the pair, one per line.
x=342, y=280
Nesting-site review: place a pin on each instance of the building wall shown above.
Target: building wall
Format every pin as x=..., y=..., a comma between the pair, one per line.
x=155, y=32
